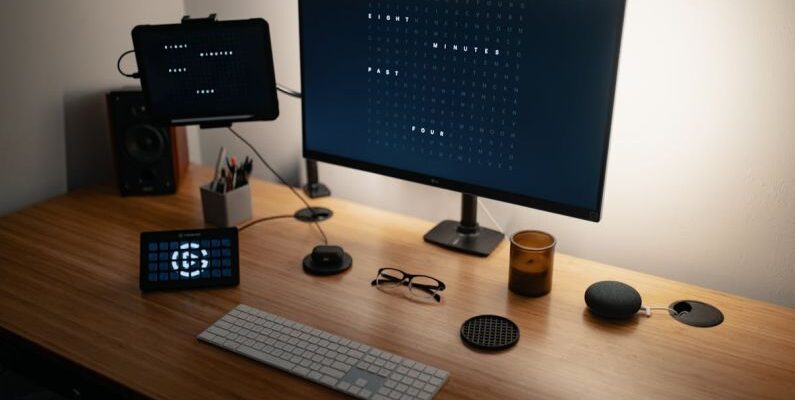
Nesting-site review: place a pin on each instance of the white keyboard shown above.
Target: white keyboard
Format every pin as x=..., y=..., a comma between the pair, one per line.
x=342, y=364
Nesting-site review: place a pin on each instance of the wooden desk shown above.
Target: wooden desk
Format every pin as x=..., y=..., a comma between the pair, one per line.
x=69, y=283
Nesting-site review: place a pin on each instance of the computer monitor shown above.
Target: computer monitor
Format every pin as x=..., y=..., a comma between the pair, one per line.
x=506, y=99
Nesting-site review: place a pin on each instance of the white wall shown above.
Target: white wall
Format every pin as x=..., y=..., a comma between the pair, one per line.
x=279, y=140
x=58, y=60
x=701, y=176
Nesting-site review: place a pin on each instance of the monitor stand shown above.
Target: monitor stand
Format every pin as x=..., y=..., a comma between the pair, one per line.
x=313, y=187
x=465, y=236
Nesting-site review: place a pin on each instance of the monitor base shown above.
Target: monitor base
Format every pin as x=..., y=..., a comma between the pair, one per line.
x=316, y=190
x=448, y=235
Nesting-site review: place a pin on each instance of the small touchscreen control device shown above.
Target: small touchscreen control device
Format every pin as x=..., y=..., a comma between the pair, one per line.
x=189, y=259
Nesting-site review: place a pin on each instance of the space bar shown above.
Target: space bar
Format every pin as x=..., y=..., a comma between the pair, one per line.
x=266, y=358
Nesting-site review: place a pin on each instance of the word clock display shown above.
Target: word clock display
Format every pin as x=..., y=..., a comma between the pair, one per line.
x=207, y=72
x=509, y=99
x=189, y=259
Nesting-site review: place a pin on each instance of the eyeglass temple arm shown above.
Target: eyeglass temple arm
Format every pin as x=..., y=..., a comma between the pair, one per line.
x=376, y=281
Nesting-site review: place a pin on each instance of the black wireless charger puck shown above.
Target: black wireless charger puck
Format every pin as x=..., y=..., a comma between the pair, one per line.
x=489, y=332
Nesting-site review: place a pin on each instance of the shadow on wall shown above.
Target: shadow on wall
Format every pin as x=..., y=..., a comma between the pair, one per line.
x=86, y=132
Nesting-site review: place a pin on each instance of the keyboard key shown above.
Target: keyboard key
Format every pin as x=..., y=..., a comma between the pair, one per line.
x=329, y=380
x=341, y=366
x=332, y=372
x=218, y=331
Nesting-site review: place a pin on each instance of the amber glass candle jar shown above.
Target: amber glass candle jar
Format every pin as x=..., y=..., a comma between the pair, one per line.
x=532, y=256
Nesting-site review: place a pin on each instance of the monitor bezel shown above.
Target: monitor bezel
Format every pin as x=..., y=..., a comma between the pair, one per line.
x=584, y=213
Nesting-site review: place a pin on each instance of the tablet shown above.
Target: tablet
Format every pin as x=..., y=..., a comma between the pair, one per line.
x=207, y=73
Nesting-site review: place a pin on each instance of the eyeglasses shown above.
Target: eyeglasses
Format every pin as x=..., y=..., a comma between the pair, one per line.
x=419, y=285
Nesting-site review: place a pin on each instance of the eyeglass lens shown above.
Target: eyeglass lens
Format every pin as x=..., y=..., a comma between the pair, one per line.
x=423, y=286
x=389, y=277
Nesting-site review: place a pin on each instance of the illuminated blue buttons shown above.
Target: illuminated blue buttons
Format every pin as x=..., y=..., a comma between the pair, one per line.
x=175, y=262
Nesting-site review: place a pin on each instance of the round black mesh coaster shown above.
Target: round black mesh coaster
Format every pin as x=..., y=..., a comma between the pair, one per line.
x=490, y=332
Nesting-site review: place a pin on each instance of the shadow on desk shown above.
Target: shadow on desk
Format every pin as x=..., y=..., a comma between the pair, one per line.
x=16, y=387
x=30, y=372
x=614, y=326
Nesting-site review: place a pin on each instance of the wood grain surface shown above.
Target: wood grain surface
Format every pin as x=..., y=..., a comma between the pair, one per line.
x=69, y=282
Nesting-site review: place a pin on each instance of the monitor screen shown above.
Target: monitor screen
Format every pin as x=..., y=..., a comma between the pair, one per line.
x=207, y=72
x=510, y=100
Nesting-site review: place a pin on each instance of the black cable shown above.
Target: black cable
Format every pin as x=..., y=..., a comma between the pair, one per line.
x=283, y=181
x=288, y=91
x=257, y=221
x=118, y=65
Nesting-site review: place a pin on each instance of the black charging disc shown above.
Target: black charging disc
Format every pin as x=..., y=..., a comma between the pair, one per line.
x=490, y=332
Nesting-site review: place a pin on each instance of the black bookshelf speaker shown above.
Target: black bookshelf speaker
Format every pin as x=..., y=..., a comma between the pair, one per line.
x=150, y=158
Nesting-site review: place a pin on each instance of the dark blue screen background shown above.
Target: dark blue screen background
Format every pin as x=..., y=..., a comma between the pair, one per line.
x=530, y=122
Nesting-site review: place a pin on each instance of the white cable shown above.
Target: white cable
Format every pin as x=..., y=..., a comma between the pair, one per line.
x=488, y=214
x=647, y=310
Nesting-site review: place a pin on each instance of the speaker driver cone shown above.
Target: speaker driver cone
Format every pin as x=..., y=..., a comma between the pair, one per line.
x=144, y=143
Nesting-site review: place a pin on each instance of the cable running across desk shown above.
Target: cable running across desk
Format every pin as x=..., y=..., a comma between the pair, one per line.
x=264, y=219
x=282, y=180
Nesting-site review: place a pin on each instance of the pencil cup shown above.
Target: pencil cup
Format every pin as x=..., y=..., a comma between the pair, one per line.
x=226, y=209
